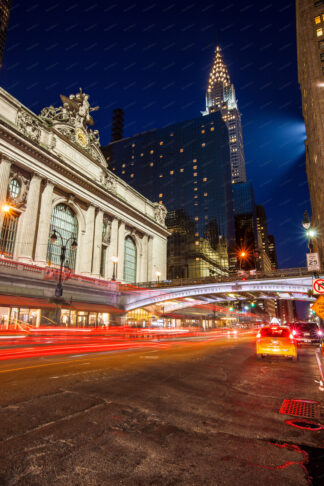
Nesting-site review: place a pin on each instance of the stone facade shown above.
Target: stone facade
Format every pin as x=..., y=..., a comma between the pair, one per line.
x=310, y=51
x=55, y=159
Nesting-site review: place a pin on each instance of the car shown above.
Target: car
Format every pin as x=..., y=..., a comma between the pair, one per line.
x=307, y=332
x=276, y=341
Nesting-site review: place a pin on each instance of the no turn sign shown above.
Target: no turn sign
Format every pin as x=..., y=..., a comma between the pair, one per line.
x=318, y=286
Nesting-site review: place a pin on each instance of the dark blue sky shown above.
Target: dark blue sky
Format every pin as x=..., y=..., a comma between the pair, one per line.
x=153, y=60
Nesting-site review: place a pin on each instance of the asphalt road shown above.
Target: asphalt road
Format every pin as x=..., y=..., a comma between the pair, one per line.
x=194, y=413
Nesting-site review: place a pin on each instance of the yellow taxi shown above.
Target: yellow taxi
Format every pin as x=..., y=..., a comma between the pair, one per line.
x=276, y=341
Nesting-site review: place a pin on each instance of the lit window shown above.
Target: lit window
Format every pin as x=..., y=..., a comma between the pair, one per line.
x=124, y=165
x=195, y=204
x=196, y=197
x=161, y=143
x=196, y=234
x=181, y=170
x=171, y=134
x=205, y=194
x=132, y=175
x=161, y=194
x=317, y=19
x=319, y=32
x=151, y=151
x=205, y=179
x=161, y=156
x=142, y=155
x=202, y=131
x=212, y=129
x=203, y=144
x=194, y=167
x=323, y=17
x=161, y=175
x=195, y=188
x=133, y=144
x=114, y=168
x=196, y=218
x=14, y=188
x=181, y=150
x=197, y=259
x=151, y=164
x=133, y=157
x=194, y=160
x=160, y=202
x=196, y=243
x=171, y=172
x=123, y=172
x=195, y=174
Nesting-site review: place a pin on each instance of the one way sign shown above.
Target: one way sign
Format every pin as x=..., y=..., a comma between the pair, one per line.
x=318, y=286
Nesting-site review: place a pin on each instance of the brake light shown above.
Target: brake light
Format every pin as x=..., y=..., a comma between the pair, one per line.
x=291, y=336
x=320, y=333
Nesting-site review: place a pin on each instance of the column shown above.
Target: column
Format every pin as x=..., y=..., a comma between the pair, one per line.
x=44, y=223
x=29, y=220
x=150, y=278
x=121, y=250
x=144, y=259
x=87, y=246
x=112, y=248
x=97, y=243
x=4, y=180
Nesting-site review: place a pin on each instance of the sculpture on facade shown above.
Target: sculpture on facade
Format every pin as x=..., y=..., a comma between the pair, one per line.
x=73, y=119
x=160, y=213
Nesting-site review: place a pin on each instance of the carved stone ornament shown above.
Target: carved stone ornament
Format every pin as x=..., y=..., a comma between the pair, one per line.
x=109, y=181
x=160, y=213
x=73, y=120
x=28, y=125
x=106, y=232
x=19, y=201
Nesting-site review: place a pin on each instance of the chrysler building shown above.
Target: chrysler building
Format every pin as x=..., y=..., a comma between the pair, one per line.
x=221, y=96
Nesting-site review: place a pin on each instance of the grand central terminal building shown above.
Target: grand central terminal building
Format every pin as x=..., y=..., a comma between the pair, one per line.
x=61, y=204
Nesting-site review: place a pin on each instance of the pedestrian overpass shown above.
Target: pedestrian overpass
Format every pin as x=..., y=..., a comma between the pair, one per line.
x=288, y=284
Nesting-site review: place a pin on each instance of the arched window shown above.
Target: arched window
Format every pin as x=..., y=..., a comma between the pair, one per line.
x=8, y=234
x=63, y=221
x=130, y=260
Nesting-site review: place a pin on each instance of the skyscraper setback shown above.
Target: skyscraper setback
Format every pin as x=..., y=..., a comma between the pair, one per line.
x=221, y=97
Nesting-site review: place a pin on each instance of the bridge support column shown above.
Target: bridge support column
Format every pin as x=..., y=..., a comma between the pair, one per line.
x=118, y=319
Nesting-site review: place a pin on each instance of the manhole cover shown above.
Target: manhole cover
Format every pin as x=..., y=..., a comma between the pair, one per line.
x=304, y=424
x=301, y=408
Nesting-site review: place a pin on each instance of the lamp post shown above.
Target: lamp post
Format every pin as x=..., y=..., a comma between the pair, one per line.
x=158, y=275
x=115, y=261
x=310, y=232
x=59, y=287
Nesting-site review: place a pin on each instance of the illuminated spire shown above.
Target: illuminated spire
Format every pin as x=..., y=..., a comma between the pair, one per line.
x=219, y=72
x=220, y=89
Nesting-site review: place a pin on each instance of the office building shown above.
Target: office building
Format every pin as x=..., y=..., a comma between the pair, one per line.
x=310, y=55
x=5, y=7
x=185, y=166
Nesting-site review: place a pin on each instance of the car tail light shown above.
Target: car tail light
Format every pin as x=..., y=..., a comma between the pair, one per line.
x=320, y=333
x=291, y=336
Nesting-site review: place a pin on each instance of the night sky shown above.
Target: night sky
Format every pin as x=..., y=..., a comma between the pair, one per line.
x=153, y=60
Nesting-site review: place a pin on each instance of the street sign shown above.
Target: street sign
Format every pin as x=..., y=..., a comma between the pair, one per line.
x=318, y=306
x=318, y=286
x=313, y=263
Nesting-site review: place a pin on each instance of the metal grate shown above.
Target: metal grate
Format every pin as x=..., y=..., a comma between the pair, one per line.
x=300, y=408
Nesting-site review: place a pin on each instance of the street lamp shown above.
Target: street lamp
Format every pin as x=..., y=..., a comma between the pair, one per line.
x=59, y=287
x=115, y=261
x=310, y=232
x=158, y=275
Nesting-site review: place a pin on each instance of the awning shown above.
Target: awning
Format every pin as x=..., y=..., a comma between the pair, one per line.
x=29, y=302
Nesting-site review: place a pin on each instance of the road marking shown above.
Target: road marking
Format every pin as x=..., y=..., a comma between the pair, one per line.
x=41, y=365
